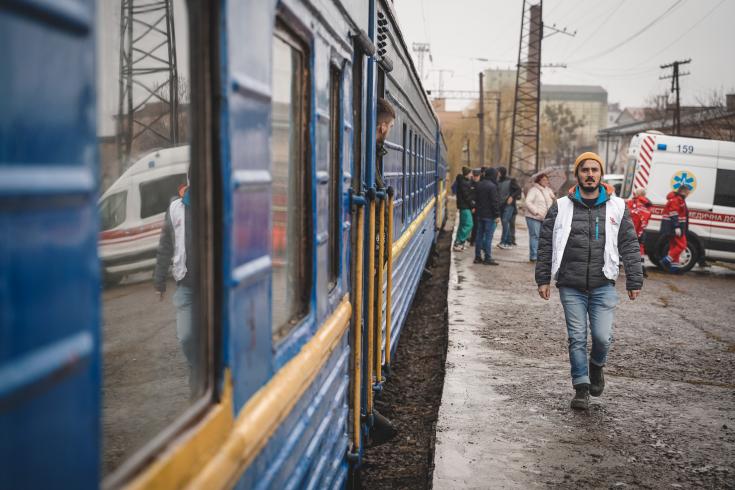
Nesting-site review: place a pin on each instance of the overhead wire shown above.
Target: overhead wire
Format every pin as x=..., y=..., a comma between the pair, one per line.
x=632, y=36
x=671, y=43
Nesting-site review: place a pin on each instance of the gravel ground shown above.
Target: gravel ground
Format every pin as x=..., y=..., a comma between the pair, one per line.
x=412, y=395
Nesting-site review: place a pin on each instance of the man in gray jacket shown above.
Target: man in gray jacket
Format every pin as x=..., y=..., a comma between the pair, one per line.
x=583, y=238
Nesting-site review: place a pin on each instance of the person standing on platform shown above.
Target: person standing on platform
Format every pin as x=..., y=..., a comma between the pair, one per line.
x=477, y=174
x=509, y=192
x=465, y=203
x=674, y=225
x=539, y=199
x=584, y=237
x=488, y=215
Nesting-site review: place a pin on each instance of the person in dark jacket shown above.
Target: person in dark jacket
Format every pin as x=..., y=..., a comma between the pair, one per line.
x=477, y=174
x=583, y=239
x=509, y=192
x=465, y=203
x=176, y=251
x=488, y=215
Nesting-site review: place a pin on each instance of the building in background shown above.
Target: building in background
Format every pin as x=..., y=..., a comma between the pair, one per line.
x=588, y=103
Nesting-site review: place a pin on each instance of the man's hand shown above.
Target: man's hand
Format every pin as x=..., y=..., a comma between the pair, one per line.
x=161, y=294
x=544, y=291
x=509, y=200
x=633, y=294
x=677, y=232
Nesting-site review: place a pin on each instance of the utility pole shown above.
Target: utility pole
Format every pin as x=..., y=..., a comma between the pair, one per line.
x=481, y=117
x=675, y=88
x=497, y=131
x=466, y=151
x=421, y=49
x=524, y=142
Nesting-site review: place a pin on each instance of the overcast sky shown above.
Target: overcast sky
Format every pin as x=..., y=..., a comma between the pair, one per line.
x=619, y=44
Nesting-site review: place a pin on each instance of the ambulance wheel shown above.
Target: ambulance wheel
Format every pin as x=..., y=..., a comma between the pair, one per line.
x=688, y=258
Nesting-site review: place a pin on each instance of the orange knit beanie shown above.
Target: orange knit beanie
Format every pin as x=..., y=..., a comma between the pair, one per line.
x=588, y=155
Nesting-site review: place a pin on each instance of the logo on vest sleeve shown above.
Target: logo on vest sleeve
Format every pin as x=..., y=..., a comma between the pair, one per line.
x=612, y=220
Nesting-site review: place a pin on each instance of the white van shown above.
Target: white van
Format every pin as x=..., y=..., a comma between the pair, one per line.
x=132, y=211
x=660, y=164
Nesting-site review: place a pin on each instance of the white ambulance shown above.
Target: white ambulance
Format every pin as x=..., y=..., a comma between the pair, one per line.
x=660, y=164
x=132, y=211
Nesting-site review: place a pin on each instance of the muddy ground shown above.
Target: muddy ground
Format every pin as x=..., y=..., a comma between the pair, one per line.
x=411, y=396
x=665, y=420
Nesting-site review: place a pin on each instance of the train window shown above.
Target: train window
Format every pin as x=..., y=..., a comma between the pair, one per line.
x=404, y=175
x=415, y=205
x=290, y=206
x=155, y=347
x=335, y=175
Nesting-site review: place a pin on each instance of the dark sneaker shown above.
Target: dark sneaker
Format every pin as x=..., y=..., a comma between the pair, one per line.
x=597, y=380
x=490, y=262
x=581, y=400
x=477, y=260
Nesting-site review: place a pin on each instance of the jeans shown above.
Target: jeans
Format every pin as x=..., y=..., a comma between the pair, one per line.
x=534, y=230
x=185, y=332
x=465, y=225
x=506, y=216
x=599, y=305
x=485, y=231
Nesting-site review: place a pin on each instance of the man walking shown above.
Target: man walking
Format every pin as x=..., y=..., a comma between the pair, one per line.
x=583, y=238
x=465, y=203
x=488, y=213
x=674, y=225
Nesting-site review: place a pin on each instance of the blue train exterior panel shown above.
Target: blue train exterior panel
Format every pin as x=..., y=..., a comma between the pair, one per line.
x=49, y=275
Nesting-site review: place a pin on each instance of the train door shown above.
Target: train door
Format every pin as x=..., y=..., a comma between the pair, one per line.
x=49, y=278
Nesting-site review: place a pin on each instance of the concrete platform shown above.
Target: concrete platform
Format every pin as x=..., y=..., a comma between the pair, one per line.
x=666, y=419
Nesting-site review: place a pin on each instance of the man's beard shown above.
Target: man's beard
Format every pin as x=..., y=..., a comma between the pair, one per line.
x=588, y=186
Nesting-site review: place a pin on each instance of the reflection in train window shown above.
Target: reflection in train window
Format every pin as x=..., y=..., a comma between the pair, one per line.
x=290, y=209
x=153, y=346
x=155, y=196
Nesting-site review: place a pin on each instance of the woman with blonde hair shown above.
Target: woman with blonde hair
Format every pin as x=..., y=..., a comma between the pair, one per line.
x=539, y=199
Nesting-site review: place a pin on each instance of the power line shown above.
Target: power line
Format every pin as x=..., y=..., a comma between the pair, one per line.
x=631, y=37
x=605, y=19
x=671, y=43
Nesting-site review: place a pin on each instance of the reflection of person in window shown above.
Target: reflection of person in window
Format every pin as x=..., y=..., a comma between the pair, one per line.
x=175, y=249
x=386, y=118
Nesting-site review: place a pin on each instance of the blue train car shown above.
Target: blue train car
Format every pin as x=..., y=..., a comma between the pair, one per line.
x=206, y=262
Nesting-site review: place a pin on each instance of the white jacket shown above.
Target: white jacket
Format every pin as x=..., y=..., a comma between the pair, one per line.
x=538, y=201
x=177, y=213
x=614, y=213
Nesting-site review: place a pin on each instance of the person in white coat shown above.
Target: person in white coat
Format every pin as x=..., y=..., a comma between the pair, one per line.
x=539, y=199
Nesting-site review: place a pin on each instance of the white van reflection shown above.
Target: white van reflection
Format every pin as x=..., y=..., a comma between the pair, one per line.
x=132, y=211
